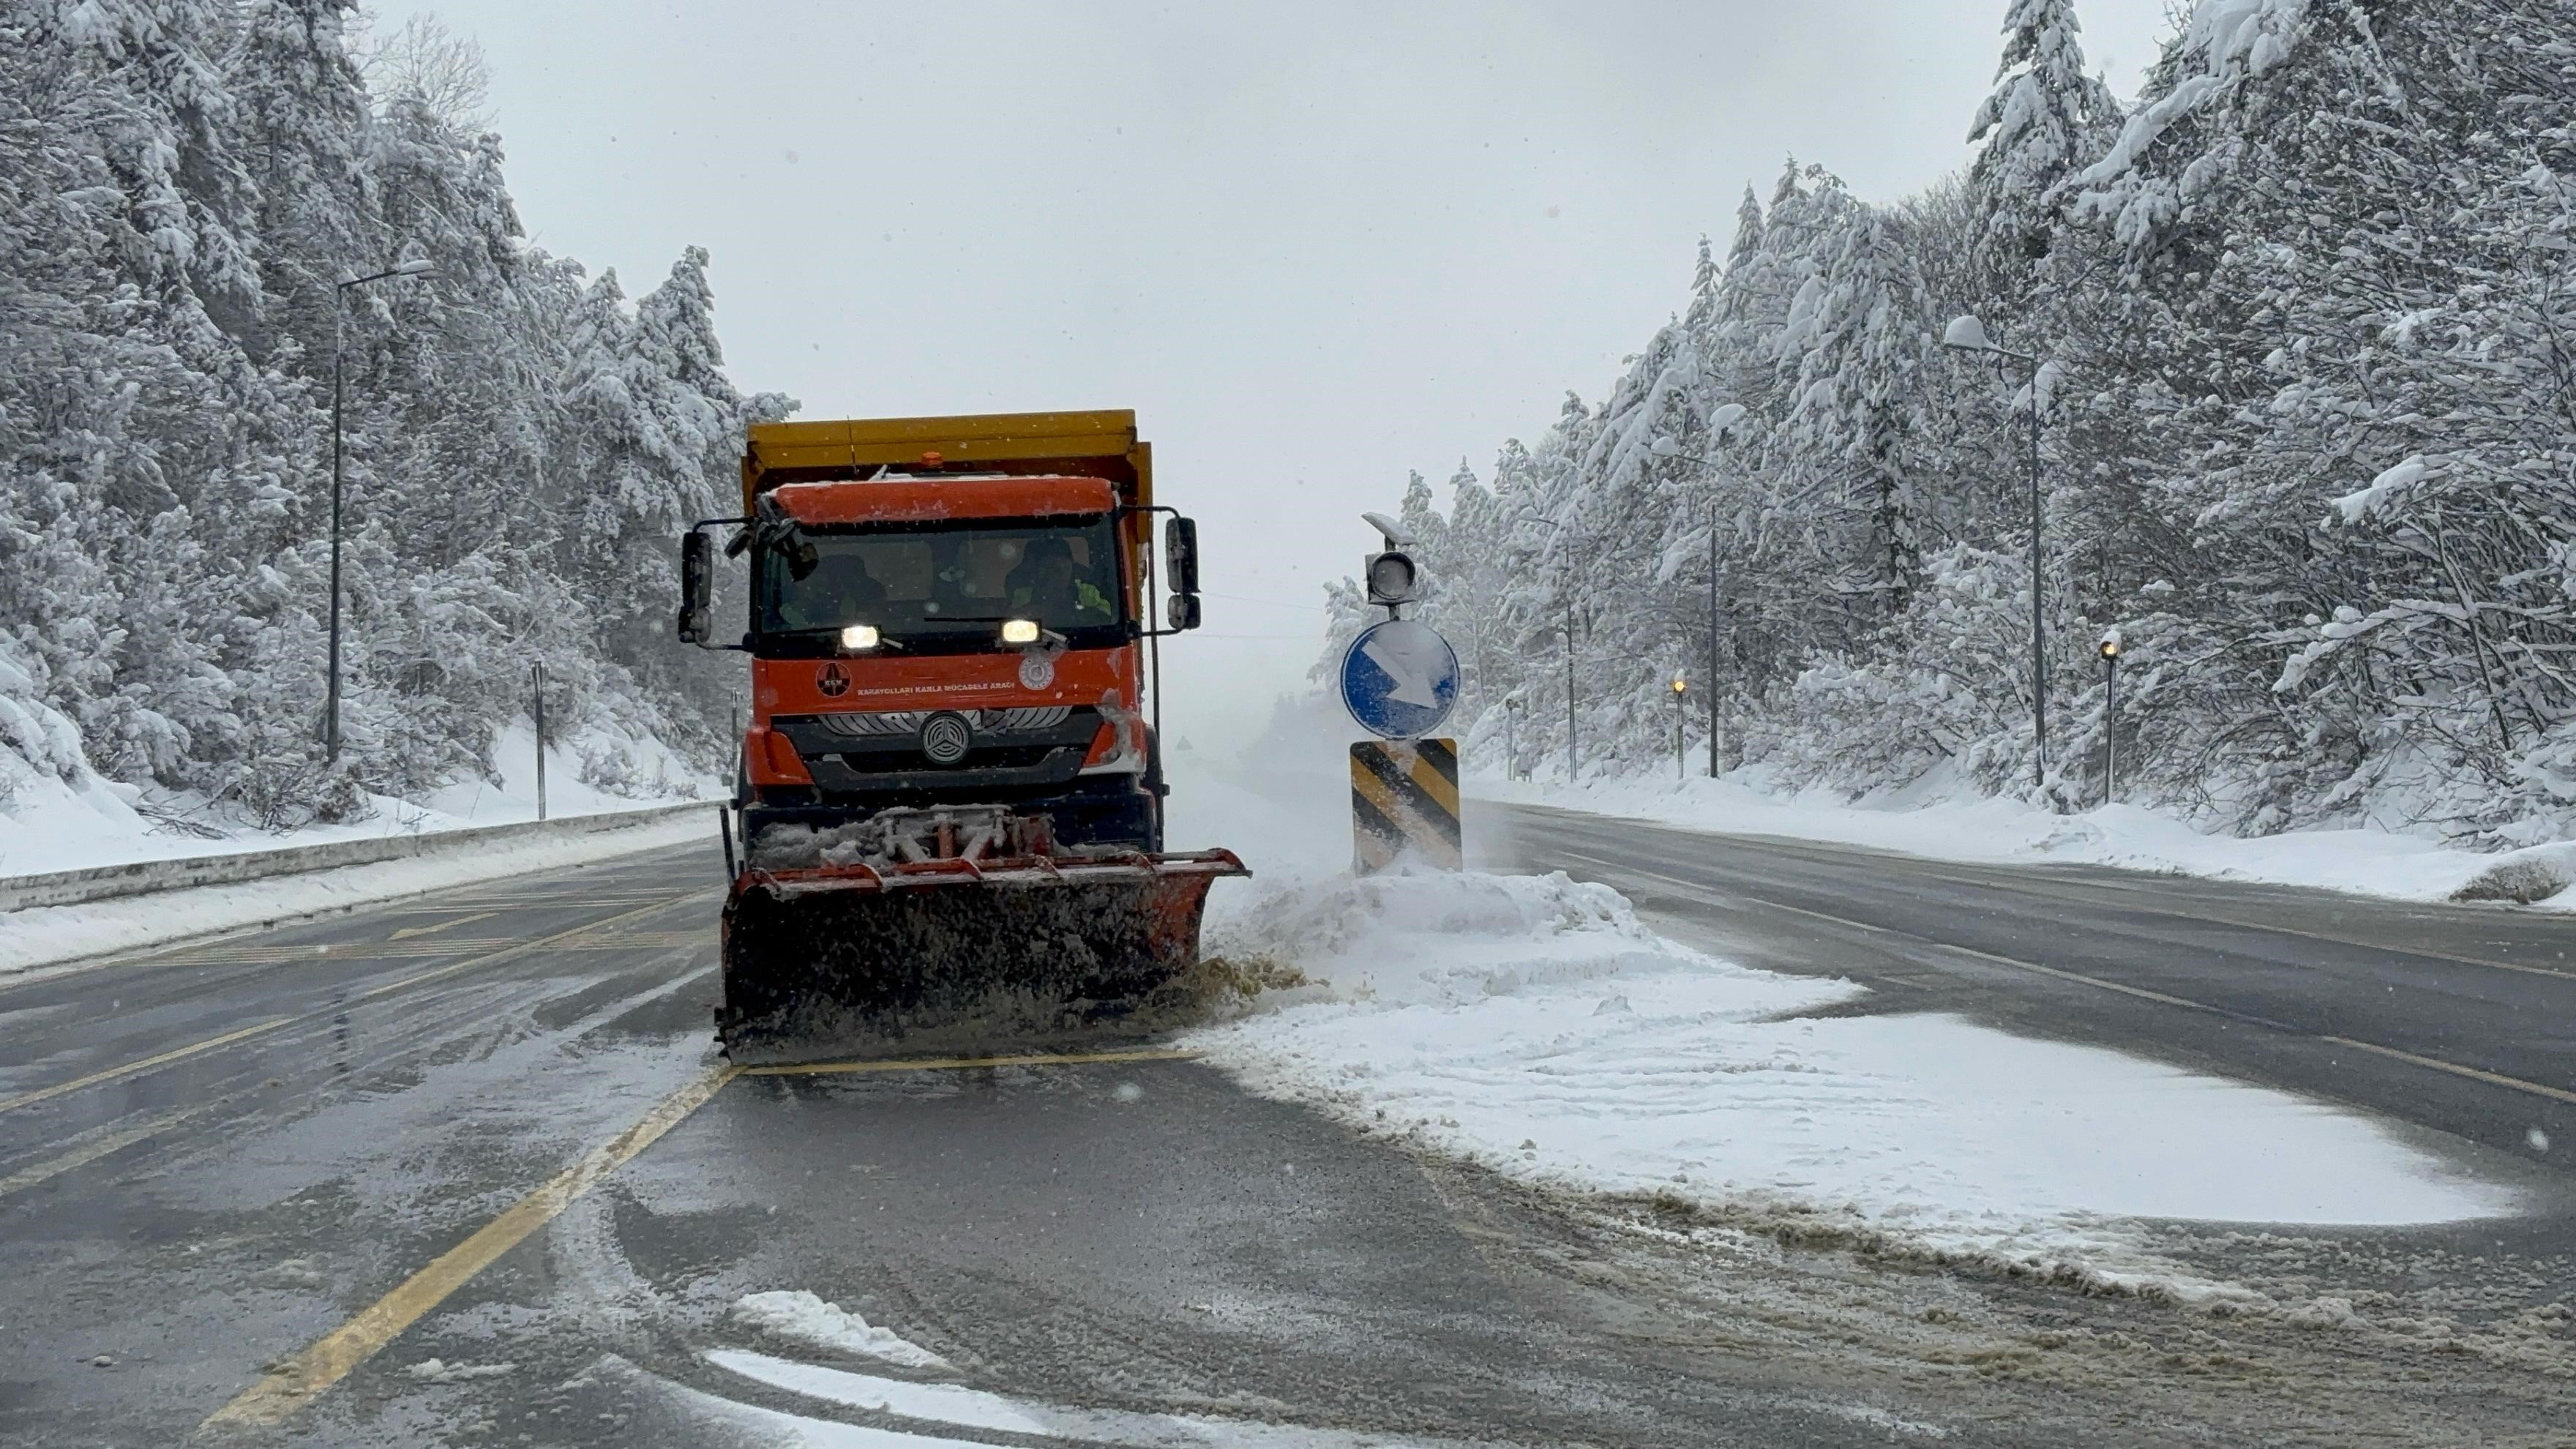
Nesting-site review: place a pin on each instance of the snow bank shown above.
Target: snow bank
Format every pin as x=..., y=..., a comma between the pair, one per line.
x=52, y=822
x=1532, y=1024
x=51, y=935
x=1927, y=819
x=967, y=1408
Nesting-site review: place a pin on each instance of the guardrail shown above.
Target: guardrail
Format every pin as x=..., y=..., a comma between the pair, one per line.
x=142, y=877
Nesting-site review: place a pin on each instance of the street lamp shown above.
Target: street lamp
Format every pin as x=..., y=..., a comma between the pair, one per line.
x=1681, y=770
x=417, y=267
x=1569, y=695
x=1967, y=334
x=2110, y=651
x=1721, y=422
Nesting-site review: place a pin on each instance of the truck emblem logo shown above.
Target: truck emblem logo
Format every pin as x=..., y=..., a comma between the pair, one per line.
x=945, y=737
x=833, y=682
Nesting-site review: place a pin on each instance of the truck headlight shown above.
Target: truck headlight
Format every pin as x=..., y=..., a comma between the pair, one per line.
x=1019, y=631
x=860, y=636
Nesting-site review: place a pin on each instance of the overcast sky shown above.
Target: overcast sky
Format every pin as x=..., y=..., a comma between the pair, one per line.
x=1313, y=246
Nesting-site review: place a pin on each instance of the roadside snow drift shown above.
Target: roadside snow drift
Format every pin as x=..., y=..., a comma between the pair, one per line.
x=47, y=937
x=1532, y=1024
x=1945, y=818
x=77, y=819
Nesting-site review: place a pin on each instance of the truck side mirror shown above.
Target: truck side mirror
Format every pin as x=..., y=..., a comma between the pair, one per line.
x=1181, y=611
x=697, y=588
x=1181, y=556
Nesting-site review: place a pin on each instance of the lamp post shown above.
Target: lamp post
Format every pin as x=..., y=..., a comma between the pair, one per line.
x=1967, y=334
x=1681, y=769
x=1721, y=423
x=419, y=267
x=1569, y=694
x=537, y=693
x=2110, y=651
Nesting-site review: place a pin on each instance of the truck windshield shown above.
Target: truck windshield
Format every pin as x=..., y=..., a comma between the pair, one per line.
x=946, y=582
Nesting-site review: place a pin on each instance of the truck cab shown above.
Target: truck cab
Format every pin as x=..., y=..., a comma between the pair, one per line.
x=947, y=612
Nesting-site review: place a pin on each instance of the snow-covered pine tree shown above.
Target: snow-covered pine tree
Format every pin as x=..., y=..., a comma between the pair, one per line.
x=2046, y=118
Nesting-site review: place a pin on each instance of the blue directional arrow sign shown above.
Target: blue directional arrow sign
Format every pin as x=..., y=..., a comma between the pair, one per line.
x=1400, y=679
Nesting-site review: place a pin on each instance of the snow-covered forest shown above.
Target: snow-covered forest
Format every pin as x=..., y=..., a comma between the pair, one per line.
x=2307, y=315
x=182, y=184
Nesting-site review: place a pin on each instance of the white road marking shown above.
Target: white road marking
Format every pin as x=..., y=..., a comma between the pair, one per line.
x=83, y=1156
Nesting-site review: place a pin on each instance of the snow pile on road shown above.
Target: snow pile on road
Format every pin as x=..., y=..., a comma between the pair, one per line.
x=806, y=1318
x=1532, y=1024
x=1936, y=817
x=912, y=1404
x=440, y=1371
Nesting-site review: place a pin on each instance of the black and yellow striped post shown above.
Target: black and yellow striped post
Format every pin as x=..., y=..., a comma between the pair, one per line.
x=1404, y=798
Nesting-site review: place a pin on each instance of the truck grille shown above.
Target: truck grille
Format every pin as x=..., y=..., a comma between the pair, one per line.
x=863, y=724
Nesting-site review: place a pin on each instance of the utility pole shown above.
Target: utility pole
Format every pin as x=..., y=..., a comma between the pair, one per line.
x=1712, y=638
x=339, y=312
x=2038, y=643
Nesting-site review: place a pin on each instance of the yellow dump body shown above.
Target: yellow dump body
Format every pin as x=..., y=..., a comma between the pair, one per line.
x=1101, y=444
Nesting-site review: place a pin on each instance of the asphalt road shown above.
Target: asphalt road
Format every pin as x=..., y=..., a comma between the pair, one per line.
x=465, y=1170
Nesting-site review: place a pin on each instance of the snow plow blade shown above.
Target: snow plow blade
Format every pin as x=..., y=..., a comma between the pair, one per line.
x=947, y=954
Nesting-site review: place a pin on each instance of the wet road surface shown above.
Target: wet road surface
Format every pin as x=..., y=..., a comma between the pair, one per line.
x=465, y=1169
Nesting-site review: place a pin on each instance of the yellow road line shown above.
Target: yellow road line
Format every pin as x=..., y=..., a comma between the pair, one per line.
x=944, y=1064
x=23, y=1099
x=2439, y=1065
x=298, y=1381
x=8, y=1104
x=26, y=1178
x=2435, y=1063
x=441, y=926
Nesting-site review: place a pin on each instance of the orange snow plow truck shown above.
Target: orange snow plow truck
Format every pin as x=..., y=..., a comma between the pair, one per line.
x=949, y=807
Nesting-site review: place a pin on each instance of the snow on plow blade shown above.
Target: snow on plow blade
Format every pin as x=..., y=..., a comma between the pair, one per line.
x=944, y=954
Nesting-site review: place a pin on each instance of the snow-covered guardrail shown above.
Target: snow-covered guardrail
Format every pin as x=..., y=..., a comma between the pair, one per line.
x=141, y=877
